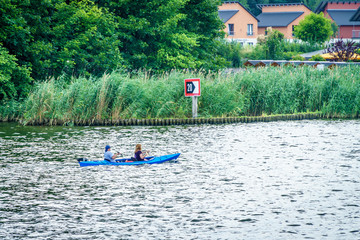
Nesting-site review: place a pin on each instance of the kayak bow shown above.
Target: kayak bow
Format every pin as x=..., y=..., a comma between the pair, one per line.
x=127, y=161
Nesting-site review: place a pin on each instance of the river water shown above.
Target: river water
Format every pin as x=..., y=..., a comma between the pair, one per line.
x=277, y=180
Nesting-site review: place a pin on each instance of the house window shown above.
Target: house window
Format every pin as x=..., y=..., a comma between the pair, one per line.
x=293, y=30
x=356, y=34
x=231, y=29
x=266, y=32
x=250, y=31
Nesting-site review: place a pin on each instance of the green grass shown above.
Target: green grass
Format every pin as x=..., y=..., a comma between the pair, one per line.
x=252, y=92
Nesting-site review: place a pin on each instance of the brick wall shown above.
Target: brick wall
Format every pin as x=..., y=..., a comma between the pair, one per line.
x=240, y=20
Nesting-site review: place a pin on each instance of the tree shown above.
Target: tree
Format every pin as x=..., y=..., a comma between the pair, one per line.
x=242, y=2
x=15, y=35
x=202, y=19
x=312, y=4
x=273, y=43
x=167, y=34
x=14, y=79
x=314, y=28
x=83, y=37
x=53, y=37
x=85, y=40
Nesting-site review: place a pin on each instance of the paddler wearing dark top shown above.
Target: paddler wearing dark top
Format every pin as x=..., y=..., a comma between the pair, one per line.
x=139, y=155
x=109, y=156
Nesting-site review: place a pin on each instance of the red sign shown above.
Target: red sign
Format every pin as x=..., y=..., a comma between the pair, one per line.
x=192, y=87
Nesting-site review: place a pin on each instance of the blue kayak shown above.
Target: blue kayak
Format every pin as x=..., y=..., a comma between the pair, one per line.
x=128, y=161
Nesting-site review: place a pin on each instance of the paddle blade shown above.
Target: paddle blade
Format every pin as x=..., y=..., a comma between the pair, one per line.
x=82, y=159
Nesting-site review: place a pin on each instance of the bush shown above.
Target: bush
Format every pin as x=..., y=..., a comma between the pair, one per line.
x=298, y=58
x=300, y=46
x=231, y=52
x=289, y=55
x=288, y=50
x=317, y=57
x=255, y=53
x=343, y=50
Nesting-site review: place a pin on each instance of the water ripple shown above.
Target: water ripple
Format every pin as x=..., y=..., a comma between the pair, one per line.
x=275, y=180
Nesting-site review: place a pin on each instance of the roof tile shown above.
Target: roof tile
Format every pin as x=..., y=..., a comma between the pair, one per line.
x=277, y=19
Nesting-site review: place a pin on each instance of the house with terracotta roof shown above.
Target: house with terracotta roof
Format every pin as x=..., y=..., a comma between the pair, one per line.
x=345, y=14
x=240, y=24
x=282, y=17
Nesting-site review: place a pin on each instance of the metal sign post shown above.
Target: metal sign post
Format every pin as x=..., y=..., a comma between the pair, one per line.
x=192, y=89
x=194, y=106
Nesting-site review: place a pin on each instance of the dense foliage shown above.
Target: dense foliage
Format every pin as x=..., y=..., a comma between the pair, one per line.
x=264, y=91
x=273, y=47
x=167, y=34
x=272, y=44
x=314, y=28
x=54, y=37
x=51, y=38
x=83, y=39
x=14, y=79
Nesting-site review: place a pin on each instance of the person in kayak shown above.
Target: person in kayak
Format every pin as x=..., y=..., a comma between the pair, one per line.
x=108, y=155
x=139, y=155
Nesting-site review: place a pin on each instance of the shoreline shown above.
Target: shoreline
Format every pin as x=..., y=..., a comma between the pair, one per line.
x=179, y=121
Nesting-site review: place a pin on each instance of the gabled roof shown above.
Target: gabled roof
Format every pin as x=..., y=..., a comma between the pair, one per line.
x=260, y=6
x=241, y=6
x=342, y=17
x=277, y=19
x=322, y=5
x=225, y=15
x=356, y=16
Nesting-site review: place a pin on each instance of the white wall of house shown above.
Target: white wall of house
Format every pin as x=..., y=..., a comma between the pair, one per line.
x=244, y=41
x=344, y=39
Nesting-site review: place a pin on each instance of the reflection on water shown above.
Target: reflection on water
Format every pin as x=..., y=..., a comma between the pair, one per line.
x=277, y=180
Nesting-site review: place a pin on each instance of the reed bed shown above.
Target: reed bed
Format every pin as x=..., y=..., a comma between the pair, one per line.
x=141, y=95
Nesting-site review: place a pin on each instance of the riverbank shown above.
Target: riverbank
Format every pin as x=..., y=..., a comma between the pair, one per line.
x=177, y=121
x=144, y=99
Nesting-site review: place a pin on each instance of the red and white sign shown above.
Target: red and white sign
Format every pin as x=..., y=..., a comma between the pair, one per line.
x=192, y=87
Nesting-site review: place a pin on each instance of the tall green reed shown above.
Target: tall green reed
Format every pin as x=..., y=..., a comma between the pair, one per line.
x=305, y=89
x=10, y=110
x=251, y=92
